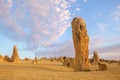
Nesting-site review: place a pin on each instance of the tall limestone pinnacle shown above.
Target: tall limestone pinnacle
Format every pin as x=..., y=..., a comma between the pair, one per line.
x=15, y=56
x=81, y=43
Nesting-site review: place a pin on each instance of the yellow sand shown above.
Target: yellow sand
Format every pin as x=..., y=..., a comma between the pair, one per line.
x=54, y=71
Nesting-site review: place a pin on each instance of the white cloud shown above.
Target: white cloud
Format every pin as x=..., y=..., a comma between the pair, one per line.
x=62, y=49
x=73, y=0
x=118, y=7
x=102, y=26
x=101, y=40
x=116, y=14
x=110, y=55
x=77, y=9
x=37, y=22
x=85, y=1
x=10, y=3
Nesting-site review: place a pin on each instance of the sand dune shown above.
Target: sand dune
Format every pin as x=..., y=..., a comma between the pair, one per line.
x=46, y=70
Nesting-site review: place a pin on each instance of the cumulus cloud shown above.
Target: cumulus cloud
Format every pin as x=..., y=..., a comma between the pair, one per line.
x=36, y=23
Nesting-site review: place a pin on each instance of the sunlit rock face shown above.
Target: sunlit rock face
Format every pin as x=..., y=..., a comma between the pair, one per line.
x=81, y=43
x=1, y=58
x=15, y=56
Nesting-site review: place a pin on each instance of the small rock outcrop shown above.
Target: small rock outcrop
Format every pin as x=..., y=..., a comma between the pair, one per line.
x=6, y=59
x=68, y=62
x=95, y=58
x=15, y=56
x=1, y=58
x=81, y=43
x=102, y=66
x=35, y=60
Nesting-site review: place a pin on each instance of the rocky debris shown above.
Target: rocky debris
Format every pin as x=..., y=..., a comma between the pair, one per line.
x=68, y=62
x=81, y=43
x=35, y=60
x=1, y=58
x=15, y=56
x=95, y=58
x=102, y=66
x=6, y=59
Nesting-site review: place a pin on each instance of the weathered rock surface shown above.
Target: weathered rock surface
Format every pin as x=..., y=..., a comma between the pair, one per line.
x=15, y=56
x=102, y=66
x=81, y=43
x=1, y=58
x=95, y=58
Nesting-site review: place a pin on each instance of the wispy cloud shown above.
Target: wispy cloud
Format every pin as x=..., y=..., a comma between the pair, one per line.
x=73, y=0
x=101, y=40
x=102, y=26
x=116, y=14
x=60, y=49
x=38, y=23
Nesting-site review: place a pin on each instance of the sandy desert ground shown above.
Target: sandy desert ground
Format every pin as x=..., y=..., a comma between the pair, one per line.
x=46, y=70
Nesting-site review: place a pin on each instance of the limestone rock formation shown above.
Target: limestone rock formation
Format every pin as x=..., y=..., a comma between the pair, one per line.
x=43, y=59
x=102, y=66
x=15, y=56
x=1, y=58
x=95, y=58
x=81, y=43
x=68, y=62
x=6, y=59
x=35, y=60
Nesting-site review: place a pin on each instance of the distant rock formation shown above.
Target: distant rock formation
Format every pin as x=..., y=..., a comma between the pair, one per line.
x=35, y=60
x=1, y=58
x=81, y=42
x=102, y=66
x=27, y=59
x=60, y=59
x=43, y=59
x=95, y=58
x=15, y=56
x=6, y=59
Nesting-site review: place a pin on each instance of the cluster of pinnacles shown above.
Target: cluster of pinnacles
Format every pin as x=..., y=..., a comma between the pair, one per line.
x=81, y=46
x=14, y=58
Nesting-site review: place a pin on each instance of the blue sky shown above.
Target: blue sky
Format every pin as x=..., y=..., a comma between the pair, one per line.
x=43, y=27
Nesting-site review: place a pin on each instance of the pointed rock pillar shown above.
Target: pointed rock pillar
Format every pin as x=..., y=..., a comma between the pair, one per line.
x=15, y=56
x=81, y=43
